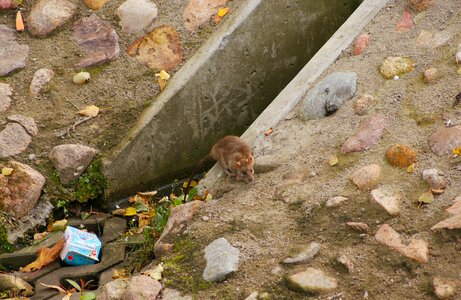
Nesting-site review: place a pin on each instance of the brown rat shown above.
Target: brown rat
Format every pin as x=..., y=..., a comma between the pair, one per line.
x=234, y=156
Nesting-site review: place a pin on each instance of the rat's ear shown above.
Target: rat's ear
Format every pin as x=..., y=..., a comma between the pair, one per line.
x=237, y=164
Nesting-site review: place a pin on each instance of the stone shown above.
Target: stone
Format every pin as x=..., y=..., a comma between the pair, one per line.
x=432, y=40
x=71, y=160
x=390, y=203
x=136, y=15
x=13, y=140
x=336, y=201
x=363, y=104
x=367, y=134
x=7, y=4
x=430, y=75
x=435, y=178
x=420, y=5
x=221, y=260
x=179, y=217
x=95, y=4
x=41, y=78
x=19, y=192
x=13, y=286
x=405, y=22
x=366, y=177
x=12, y=55
x=253, y=296
x=417, y=249
x=444, y=288
x=445, y=139
x=399, y=155
x=113, y=290
x=360, y=43
x=47, y=15
x=346, y=262
x=197, y=12
x=171, y=294
x=311, y=281
x=396, y=66
x=329, y=95
x=5, y=92
x=27, y=122
x=98, y=39
x=454, y=219
x=142, y=287
x=359, y=226
x=306, y=254
x=159, y=49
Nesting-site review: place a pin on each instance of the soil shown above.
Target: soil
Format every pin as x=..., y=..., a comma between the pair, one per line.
x=265, y=220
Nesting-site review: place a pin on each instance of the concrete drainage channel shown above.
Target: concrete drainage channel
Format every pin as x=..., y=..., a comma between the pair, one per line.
x=112, y=253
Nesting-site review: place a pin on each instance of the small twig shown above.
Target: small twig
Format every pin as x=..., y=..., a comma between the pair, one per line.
x=66, y=131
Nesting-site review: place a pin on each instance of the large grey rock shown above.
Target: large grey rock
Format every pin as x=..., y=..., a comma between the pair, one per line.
x=14, y=139
x=20, y=191
x=311, y=281
x=47, y=15
x=27, y=122
x=97, y=39
x=5, y=92
x=41, y=78
x=113, y=290
x=136, y=15
x=445, y=139
x=12, y=55
x=142, y=287
x=221, y=260
x=367, y=134
x=13, y=286
x=306, y=254
x=71, y=160
x=329, y=95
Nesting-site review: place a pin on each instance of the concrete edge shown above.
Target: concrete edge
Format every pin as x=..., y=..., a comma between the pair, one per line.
x=290, y=96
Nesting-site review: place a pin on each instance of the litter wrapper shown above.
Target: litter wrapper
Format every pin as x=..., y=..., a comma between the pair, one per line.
x=80, y=247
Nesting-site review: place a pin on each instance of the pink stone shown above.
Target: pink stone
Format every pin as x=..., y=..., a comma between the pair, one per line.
x=368, y=134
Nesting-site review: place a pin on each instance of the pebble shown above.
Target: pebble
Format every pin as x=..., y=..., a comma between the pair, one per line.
x=98, y=39
x=444, y=288
x=221, y=260
x=27, y=122
x=366, y=177
x=95, y=4
x=142, y=287
x=417, y=249
x=399, y=155
x=346, y=262
x=5, y=92
x=359, y=226
x=430, y=40
x=171, y=294
x=435, y=178
x=363, y=104
x=311, y=281
x=454, y=219
x=205, y=218
x=136, y=15
x=47, y=15
x=7, y=4
x=368, y=133
x=198, y=12
x=160, y=49
x=420, y=5
x=12, y=55
x=13, y=140
x=336, y=201
x=40, y=79
x=68, y=158
x=405, y=22
x=306, y=254
x=390, y=203
x=431, y=75
x=360, y=43
x=329, y=95
x=396, y=66
x=445, y=139
x=113, y=289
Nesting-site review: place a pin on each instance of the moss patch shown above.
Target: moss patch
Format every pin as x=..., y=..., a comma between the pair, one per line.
x=91, y=184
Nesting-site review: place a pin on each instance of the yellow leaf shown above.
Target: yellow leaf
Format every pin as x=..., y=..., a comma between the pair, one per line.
x=208, y=197
x=163, y=75
x=426, y=197
x=193, y=183
x=155, y=273
x=333, y=160
x=44, y=257
x=161, y=83
x=223, y=11
x=411, y=168
x=456, y=151
x=90, y=111
x=57, y=225
x=7, y=171
x=130, y=211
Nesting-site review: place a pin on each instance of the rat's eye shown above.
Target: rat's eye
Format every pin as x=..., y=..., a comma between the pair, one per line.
x=244, y=172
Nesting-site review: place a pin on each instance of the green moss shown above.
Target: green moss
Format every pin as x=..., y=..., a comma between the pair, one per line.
x=5, y=246
x=91, y=184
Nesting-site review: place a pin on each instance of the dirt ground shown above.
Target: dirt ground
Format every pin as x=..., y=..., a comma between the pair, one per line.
x=257, y=220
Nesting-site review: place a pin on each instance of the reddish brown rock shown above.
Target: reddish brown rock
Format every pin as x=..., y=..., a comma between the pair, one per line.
x=445, y=139
x=5, y=92
x=7, y=4
x=198, y=12
x=405, y=22
x=159, y=50
x=20, y=191
x=368, y=134
x=454, y=219
x=47, y=15
x=363, y=104
x=420, y=5
x=97, y=39
x=360, y=43
x=366, y=177
x=400, y=155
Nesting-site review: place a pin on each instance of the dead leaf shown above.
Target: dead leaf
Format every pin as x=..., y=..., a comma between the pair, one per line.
x=118, y=273
x=268, y=131
x=405, y=22
x=411, y=168
x=426, y=197
x=19, y=22
x=56, y=287
x=155, y=273
x=333, y=160
x=221, y=13
x=90, y=111
x=163, y=74
x=143, y=220
x=67, y=296
x=119, y=212
x=7, y=171
x=44, y=257
x=57, y=225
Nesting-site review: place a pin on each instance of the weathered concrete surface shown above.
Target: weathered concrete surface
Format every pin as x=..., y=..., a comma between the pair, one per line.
x=222, y=88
